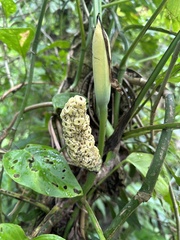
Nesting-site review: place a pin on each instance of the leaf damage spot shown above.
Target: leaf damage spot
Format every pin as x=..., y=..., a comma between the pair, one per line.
x=15, y=161
x=56, y=185
x=65, y=187
x=16, y=175
x=47, y=160
x=30, y=161
x=76, y=191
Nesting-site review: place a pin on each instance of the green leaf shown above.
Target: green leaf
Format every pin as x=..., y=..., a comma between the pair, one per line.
x=59, y=100
x=142, y=161
x=60, y=44
x=48, y=237
x=18, y=39
x=42, y=169
x=8, y=6
x=9, y=231
x=173, y=13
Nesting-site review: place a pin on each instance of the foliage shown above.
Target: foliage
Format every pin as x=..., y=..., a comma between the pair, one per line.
x=45, y=59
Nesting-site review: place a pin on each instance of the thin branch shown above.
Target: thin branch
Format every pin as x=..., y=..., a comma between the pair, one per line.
x=176, y=210
x=15, y=89
x=150, y=180
x=93, y=219
x=27, y=109
x=18, y=196
x=31, y=72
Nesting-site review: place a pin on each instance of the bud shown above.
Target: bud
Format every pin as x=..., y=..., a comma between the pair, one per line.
x=101, y=65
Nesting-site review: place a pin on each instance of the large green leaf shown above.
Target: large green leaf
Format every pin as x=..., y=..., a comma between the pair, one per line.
x=18, y=39
x=8, y=6
x=48, y=237
x=42, y=169
x=142, y=161
x=9, y=231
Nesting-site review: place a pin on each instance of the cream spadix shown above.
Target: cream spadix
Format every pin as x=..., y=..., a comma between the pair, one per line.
x=101, y=65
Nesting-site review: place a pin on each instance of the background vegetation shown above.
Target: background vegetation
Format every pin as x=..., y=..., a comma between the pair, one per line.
x=46, y=58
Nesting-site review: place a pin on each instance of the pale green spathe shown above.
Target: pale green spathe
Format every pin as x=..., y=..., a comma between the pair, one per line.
x=101, y=65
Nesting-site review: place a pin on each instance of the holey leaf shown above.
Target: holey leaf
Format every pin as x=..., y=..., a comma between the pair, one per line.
x=18, y=39
x=42, y=169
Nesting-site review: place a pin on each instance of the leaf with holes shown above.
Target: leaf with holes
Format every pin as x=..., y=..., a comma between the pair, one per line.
x=42, y=169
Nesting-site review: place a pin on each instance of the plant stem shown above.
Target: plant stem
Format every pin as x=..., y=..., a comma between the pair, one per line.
x=93, y=219
x=89, y=182
x=83, y=47
x=25, y=199
x=97, y=9
x=163, y=85
x=31, y=71
x=150, y=180
x=156, y=29
x=70, y=222
x=102, y=128
x=51, y=218
x=176, y=210
x=157, y=70
x=113, y=3
x=125, y=58
x=116, y=136
x=144, y=130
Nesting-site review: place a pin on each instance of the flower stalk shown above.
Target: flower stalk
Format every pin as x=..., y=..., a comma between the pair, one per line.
x=101, y=72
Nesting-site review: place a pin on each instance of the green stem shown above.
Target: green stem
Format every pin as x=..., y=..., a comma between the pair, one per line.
x=150, y=180
x=94, y=220
x=70, y=222
x=126, y=56
x=116, y=136
x=97, y=9
x=83, y=47
x=32, y=63
x=144, y=130
x=176, y=210
x=113, y=3
x=156, y=29
x=1, y=211
x=157, y=70
x=163, y=85
x=102, y=128
x=89, y=182
x=25, y=199
x=53, y=217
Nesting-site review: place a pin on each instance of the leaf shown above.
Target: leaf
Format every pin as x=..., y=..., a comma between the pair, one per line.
x=9, y=7
x=48, y=237
x=142, y=162
x=18, y=39
x=42, y=169
x=60, y=43
x=59, y=100
x=173, y=13
x=9, y=231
